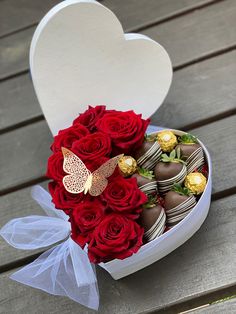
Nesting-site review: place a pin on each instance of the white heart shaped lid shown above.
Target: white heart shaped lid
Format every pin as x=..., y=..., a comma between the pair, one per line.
x=80, y=55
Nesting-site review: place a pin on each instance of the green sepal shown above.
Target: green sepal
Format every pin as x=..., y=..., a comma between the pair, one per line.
x=175, y=156
x=145, y=173
x=152, y=202
x=182, y=190
x=150, y=137
x=188, y=139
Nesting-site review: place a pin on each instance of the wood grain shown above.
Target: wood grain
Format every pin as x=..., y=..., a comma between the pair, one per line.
x=202, y=265
x=195, y=35
x=25, y=154
x=198, y=92
x=201, y=92
x=184, y=38
x=227, y=307
x=27, y=150
x=135, y=14
x=15, y=15
x=216, y=137
x=24, y=13
x=14, y=53
x=18, y=101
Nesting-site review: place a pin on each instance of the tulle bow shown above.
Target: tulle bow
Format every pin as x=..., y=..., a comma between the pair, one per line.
x=62, y=270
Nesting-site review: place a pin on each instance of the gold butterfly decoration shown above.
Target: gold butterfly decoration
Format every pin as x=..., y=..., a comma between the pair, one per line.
x=80, y=179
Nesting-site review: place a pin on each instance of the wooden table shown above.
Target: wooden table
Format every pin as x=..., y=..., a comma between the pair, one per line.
x=200, y=37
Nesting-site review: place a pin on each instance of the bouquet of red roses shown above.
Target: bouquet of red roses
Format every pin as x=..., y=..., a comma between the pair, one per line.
x=107, y=222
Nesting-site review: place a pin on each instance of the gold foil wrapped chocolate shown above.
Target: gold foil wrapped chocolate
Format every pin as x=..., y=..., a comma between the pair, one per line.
x=167, y=140
x=127, y=165
x=195, y=182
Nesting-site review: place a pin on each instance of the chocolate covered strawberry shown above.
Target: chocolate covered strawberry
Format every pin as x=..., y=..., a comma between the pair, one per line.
x=178, y=204
x=176, y=196
x=149, y=153
x=171, y=169
x=153, y=219
x=146, y=181
x=188, y=145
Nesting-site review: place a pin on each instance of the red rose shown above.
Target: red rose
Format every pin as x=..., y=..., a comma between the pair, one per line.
x=55, y=167
x=115, y=237
x=66, y=137
x=126, y=130
x=203, y=169
x=85, y=217
x=63, y=199
x=90, y=117
x=92, y=147
x=88, y=214
x=124, y=196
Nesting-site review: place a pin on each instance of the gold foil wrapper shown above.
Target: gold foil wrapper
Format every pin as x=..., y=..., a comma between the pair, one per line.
x=167, y=140
x=195, y=182
x=127, y=165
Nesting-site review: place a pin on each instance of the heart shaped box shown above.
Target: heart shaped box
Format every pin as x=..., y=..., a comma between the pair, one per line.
x=80, y=55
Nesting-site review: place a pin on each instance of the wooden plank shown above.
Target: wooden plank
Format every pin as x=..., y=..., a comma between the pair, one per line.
x=198, y=34
x=18, y=101
x=27, y=150
x=210, y=85
x=185, y=38
x=228, y=307
x=132, y=14
x=15, y=53
x=14, y=205
x=216, y=137
x=202, y=265
x=199, y=92
x=135, y=14
x=18, y=14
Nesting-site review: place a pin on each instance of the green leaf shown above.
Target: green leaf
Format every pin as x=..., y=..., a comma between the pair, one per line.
x=152, y=202
x=145, y=173
x=151, y=137
x=165, y=156
x=178, y=153
x=188, y=138
x=180, y=189
x=173, y=154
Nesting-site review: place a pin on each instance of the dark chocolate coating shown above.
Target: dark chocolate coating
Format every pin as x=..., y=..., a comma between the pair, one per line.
x=187, y=149
x=173, y=199
x=149, y=216
x=143, y=149
x=142, y=180
x=167, y=170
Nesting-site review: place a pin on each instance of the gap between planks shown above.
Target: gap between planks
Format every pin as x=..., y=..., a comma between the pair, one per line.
x=169, y=17
x=175, y=69
x=181, y=66
x=172, y=16
x=189, y=306
x=140, y=27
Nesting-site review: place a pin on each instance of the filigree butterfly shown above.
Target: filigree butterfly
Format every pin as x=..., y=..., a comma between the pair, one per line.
x=80, y=179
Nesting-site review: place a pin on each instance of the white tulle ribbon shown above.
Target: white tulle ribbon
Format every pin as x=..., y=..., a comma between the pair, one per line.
x=62, y=270
x=34, y=232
